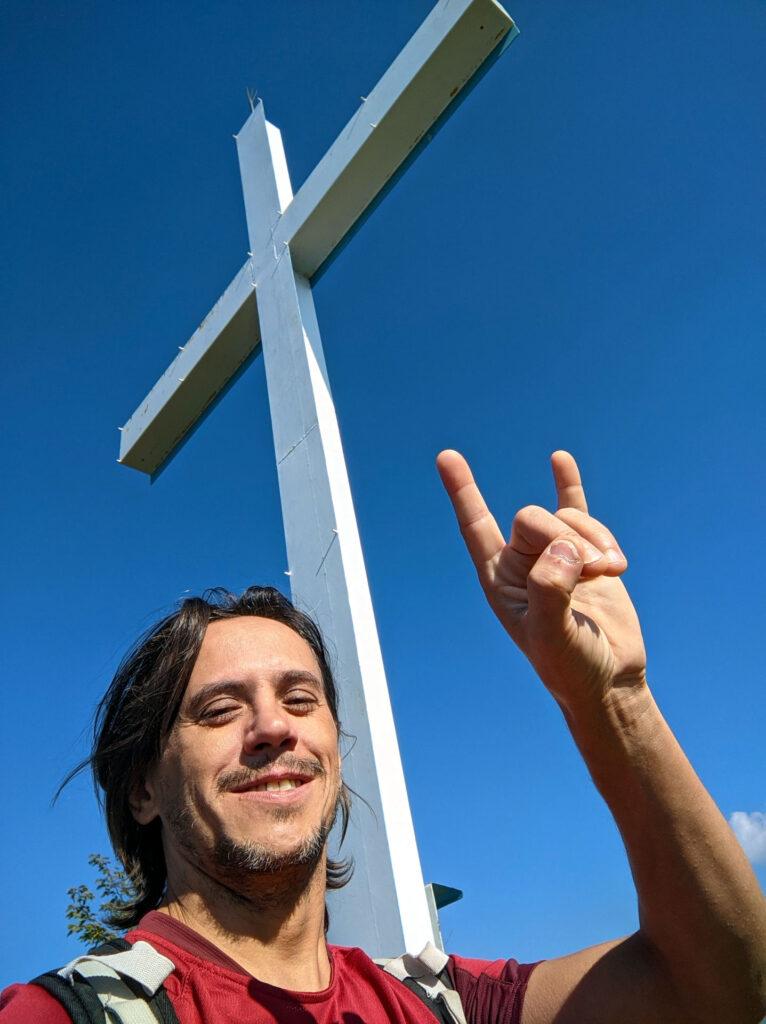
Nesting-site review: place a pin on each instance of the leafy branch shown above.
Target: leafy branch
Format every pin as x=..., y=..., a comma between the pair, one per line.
x=113, y=887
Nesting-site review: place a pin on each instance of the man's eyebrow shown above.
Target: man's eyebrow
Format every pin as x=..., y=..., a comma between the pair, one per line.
x=300, y=675
x=222, y=687
x=240, y=689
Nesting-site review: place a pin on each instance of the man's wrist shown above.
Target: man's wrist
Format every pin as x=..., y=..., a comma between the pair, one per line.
x=623, y=713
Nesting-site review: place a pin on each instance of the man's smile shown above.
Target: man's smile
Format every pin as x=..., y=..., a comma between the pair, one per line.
x=282, y=787
x=284, y=793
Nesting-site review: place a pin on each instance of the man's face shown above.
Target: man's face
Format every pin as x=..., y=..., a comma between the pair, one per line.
x=250, y=777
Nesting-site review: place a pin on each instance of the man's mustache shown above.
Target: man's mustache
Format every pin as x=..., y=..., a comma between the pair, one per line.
x=250, y=774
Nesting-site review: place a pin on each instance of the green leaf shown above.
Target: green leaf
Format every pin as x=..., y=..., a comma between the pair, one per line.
x=113, y=887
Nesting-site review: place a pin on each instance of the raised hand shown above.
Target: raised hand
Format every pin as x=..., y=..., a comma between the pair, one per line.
x=554, y=585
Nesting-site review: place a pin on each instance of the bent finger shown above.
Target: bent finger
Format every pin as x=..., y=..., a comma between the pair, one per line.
x=534, y=528
x=480, y=531
x=599, y=535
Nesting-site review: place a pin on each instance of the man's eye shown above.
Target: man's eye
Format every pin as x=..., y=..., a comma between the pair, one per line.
x=218, y=711
x=300, y=699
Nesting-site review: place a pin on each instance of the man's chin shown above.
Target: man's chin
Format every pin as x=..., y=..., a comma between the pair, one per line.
x=247, y=857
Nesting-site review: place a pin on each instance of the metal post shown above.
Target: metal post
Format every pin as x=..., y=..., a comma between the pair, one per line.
x=384, y=910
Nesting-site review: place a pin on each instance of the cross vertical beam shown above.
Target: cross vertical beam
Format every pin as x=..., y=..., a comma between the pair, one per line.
x=269, y=306
x=384, y=909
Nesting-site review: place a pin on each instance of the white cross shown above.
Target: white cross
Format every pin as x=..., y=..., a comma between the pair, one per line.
x=269, y=307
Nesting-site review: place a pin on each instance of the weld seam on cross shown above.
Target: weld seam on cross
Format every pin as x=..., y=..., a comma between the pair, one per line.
x=327, y=552
x=273, y=231
x=300, y=441
x=355, y=118
x=278, y=258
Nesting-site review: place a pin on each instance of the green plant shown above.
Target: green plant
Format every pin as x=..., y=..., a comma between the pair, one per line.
x=113, y=887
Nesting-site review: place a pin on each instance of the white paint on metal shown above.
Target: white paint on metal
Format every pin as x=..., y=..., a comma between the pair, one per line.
x=427, y=76
x=375, y=773
x=202, y=368
x=437, y=62
x=433, y=910
x=385, y=906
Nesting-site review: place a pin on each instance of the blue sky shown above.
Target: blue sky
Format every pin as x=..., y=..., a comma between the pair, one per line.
x=576, y=261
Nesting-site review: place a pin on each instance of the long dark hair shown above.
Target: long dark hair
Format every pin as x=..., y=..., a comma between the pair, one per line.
x=137, y=712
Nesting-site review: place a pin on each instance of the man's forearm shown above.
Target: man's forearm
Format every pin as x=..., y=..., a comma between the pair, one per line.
x=701, y=909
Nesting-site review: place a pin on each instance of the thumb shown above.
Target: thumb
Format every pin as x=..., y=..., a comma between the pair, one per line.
x=550, y=583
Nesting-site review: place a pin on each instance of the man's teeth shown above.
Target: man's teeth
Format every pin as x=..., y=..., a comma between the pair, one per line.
x=271, y=787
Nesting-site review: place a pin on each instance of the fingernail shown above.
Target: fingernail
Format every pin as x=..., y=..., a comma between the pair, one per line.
x=614, y=556
x=564, y=550
x=592, y=554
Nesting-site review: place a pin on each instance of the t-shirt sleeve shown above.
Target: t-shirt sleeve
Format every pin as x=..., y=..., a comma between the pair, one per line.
x=491, y=991
x=30, y=1004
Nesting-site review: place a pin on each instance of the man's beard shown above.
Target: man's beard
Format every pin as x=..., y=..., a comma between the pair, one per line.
x=247, y=858
x=246, y=865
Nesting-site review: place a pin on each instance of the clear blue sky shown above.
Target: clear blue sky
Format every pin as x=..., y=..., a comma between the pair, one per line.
x=576, y=261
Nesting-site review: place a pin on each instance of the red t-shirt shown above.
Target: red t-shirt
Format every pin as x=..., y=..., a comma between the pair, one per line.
x=208, y=987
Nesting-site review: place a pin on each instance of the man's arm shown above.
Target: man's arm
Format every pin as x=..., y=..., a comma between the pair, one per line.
x=30, y=1004
x=700, y=952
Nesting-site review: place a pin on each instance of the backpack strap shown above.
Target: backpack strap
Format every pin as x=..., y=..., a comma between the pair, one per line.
x=427, y=976
x=80, y=1001
x=115, y=983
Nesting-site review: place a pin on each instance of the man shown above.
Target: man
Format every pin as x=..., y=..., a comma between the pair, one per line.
x=217, y=751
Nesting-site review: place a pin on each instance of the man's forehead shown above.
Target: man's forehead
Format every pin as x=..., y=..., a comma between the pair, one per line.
x=247, y=646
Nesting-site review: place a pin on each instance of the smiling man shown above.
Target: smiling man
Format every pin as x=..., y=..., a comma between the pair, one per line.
x=216, y=749
x=249, y=787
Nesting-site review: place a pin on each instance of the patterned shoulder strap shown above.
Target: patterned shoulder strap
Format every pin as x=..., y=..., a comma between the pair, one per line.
x=428, y=970
x=124, y=982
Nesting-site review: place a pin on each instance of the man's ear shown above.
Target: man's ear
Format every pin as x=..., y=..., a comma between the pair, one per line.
x=142, y=802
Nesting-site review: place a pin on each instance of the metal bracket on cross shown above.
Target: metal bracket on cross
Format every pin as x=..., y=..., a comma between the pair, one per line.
x=269, y=307
x=439, y=896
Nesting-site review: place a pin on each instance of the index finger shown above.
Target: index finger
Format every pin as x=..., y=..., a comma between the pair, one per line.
x=480, y=531
x=569, y=489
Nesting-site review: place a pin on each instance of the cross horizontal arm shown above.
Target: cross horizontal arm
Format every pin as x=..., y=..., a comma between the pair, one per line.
x=458, y=40
x=440, y=59
x=196, y=378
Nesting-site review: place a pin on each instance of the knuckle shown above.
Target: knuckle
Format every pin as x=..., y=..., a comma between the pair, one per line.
x=566, y=515
x=472, y=519
x=548, y=583
x=531, y=514
x=578, y=520
x=589, y=528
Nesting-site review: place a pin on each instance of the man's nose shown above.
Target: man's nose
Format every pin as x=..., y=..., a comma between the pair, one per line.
x=269, y=726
